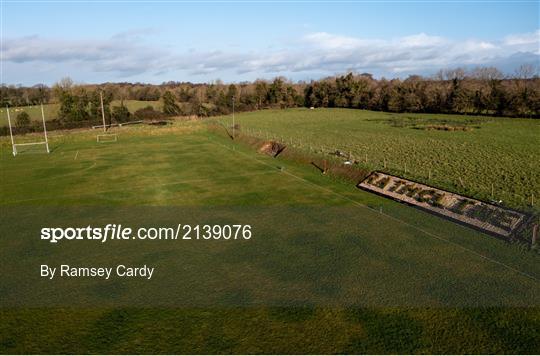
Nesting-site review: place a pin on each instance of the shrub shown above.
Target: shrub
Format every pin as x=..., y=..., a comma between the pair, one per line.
x=22, y=121
x=120, y=113
x=148, y=113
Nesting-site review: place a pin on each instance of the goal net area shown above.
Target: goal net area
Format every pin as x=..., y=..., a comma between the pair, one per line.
x=40, y=146
x=30, y=147
x=108, y=137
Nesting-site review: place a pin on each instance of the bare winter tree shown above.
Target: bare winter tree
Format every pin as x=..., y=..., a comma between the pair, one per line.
x=526, y=71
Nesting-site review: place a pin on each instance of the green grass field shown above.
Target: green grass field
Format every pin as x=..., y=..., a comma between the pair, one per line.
x=492, y=153
x=51, y=110
x=330, y=269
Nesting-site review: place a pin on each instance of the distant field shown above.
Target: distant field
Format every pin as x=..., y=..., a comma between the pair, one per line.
x=134, y=105
x=320, y=252
x=469, y=154
x=51, y=110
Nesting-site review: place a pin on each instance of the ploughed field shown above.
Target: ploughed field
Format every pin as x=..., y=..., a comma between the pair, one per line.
x=472, y=155
x=329, y=268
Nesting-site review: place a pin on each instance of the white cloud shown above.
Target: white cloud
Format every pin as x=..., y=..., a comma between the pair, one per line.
x=525, y=42
x=319, y=52
x=120, y=53
x=531, y=38
x=330, y=41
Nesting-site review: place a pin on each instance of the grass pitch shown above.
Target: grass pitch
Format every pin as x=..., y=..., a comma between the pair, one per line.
x=476, y=294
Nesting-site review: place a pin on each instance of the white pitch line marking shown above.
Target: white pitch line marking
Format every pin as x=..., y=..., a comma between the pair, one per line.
x=428, y=233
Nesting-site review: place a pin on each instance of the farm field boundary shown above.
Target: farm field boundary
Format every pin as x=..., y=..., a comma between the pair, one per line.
x=479, y=163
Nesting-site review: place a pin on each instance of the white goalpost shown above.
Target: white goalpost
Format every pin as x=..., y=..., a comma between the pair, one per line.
x=15, y=145
x=105, y=137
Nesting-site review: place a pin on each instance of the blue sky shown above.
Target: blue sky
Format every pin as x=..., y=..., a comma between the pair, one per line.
x=153, y=42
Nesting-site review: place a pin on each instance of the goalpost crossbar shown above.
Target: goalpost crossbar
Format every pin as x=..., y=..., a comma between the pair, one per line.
x=30, y=143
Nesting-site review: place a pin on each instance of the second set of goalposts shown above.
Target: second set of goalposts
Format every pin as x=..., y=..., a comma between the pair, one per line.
x=105, y=137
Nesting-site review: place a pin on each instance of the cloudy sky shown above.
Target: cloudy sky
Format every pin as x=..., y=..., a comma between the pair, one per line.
x=92, y=42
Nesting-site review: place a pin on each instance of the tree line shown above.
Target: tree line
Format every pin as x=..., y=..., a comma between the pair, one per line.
x=483, y=91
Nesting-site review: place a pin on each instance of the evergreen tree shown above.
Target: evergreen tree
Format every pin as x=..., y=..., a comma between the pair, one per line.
x=169, y=104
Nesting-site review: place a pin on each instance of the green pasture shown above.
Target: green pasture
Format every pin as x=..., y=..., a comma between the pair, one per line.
x=483, y=155
x=51, y=110
x=330, y=268
x=134, y=105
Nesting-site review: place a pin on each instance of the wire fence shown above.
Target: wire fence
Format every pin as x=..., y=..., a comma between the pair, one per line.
x=405, y=168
